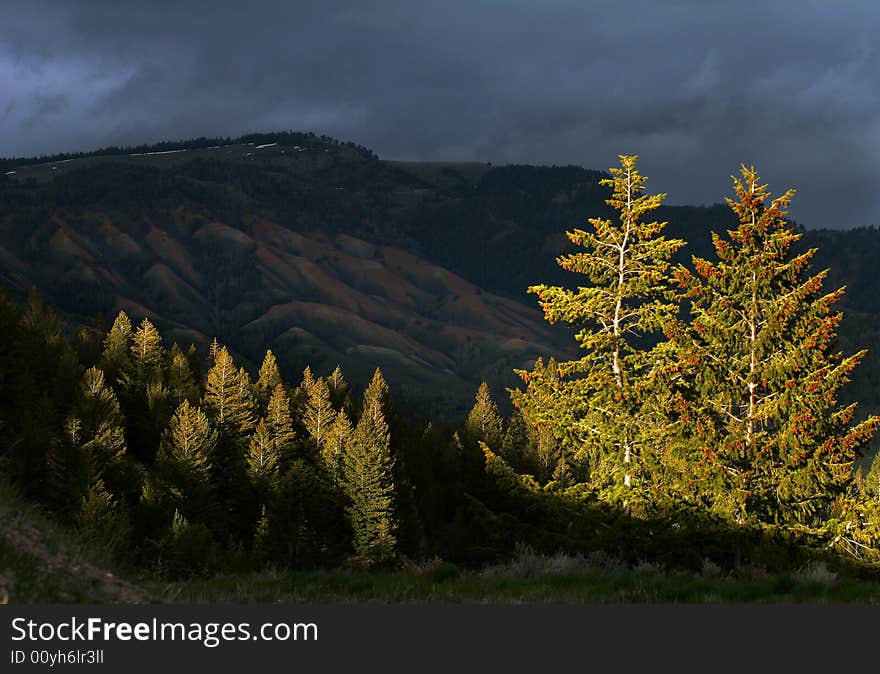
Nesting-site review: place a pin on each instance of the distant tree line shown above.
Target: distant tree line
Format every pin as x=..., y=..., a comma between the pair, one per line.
x=305, y=139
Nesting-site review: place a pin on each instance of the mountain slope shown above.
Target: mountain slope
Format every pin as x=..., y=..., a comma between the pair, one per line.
x=326, y=254
x=201, y=249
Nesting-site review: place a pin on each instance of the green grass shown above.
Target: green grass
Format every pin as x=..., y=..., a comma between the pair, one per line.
x=42, y=562
x=600, y=587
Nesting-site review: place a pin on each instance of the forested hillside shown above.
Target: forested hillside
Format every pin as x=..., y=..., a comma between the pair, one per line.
x=290, y=355
x=329, y=255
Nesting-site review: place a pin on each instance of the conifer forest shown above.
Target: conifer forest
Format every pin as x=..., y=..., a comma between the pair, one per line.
x=697, y=415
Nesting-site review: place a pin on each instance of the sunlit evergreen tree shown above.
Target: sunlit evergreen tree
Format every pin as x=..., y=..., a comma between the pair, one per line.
x=263, y=460
x=99, y=432
x=228, y=397
x=182, y=383
x=116, y=355
x=229, y=403
x=280, y=424
x=758, y=373
x=269, y=377
x=334, y=446
x=368, y=481
x=484, y=421
x=147, y=354
x=594, y=404
x=182, y=477
x=318, y=413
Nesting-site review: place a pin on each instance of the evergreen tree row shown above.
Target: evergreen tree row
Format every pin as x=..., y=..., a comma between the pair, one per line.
x=130, y=441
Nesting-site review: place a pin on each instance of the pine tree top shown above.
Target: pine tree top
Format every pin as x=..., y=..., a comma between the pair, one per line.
x=374, y=416
x=228, y=396
x=121, y=328
x=308, y=380
x=223, y=369
x=189, y=439
x=279, y=403
x=484, y=421
x=146, y=346
x=377, y=396
x=270, y=375
x=336, y=380
x=627, y=294
x=214, y=349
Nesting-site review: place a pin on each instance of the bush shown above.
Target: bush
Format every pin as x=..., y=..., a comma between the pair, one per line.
x=102, y=524
x=188, y=549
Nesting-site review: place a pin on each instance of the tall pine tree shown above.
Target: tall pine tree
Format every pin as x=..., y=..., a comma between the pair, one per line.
x=368, y=478
x=229, y=403
x=100, y=434
x=181, y=479
x=761, y=432
x=228, y=397
x=594, y=404
x=147, y=354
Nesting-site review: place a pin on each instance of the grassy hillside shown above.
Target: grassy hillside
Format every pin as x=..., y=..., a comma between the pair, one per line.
x=42, y=562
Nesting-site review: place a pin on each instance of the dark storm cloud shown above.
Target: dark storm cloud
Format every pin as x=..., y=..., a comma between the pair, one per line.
x=695, y=88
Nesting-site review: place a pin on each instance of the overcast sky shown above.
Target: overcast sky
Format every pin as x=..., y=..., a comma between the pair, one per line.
x=694, y=87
